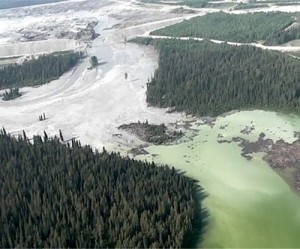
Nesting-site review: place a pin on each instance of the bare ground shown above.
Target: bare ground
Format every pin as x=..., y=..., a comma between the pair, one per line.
x=92, y=104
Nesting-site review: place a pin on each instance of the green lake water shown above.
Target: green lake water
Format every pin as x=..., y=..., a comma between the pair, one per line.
x=250, y=205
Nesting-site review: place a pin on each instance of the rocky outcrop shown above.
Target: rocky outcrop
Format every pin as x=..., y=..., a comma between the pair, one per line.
x=35, y=36
x=82, y=34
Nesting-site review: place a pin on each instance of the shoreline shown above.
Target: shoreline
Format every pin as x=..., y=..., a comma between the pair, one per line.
x=90, y=105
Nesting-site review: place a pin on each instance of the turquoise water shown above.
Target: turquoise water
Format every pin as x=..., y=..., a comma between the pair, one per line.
x=250, y=205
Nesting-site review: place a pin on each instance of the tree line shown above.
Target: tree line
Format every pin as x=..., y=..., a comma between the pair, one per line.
x=38, y=71
x=13, y=93
x=204, y=78
x=270, y=28
x=243, y=5
x=67, y=195
x=190, y=3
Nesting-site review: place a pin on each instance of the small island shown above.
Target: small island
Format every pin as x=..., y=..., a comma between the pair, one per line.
x=151, y=133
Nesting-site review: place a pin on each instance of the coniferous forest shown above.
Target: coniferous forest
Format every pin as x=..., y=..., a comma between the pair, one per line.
x=270, y=28
x=65, y=195
x=190, y=3
x=204, y=78
x=11, y=94
x=38, y=71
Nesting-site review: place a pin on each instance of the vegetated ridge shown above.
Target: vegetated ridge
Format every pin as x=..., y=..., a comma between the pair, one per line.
x=270, y=28
x=204, y=78
x=66, y=195
x=38, y=71
x=244, y=5
x=190, y=3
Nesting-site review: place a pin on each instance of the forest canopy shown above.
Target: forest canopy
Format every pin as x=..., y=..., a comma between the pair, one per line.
x=38, y=71
x=190, y=3
x=66, y=195
x=270, y=28
x=204, y=78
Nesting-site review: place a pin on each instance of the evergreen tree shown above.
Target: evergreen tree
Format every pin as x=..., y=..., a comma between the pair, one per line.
x=204, y=78
x=94, y=61
x=270, y=28
x=54, y=195
x=38, y=71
